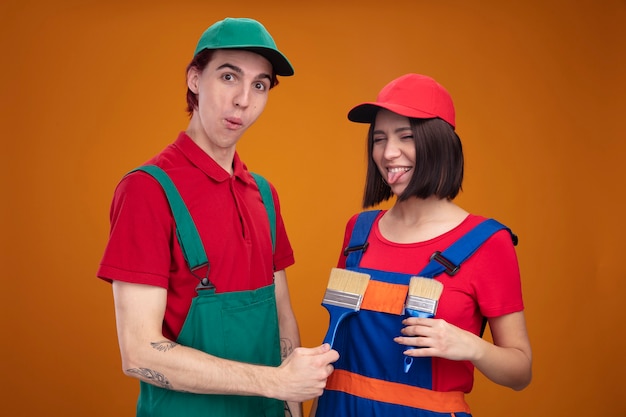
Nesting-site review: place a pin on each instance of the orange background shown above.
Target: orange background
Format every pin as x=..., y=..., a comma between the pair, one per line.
x=91, y=89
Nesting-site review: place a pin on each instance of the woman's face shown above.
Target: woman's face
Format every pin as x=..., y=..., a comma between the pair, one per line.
x=393, y=149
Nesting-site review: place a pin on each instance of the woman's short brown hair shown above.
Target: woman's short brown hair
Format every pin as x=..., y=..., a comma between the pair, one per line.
x=438, y=167
x=200, y=61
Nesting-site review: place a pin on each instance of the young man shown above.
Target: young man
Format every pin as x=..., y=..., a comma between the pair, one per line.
x=208, y=340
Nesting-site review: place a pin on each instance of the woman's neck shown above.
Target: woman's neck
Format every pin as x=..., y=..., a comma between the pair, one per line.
x=418, y=220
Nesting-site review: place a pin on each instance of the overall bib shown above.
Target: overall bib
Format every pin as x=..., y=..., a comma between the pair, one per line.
x=215, y=324
x=369, y=378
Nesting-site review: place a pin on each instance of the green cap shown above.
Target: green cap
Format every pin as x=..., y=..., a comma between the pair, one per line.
x=247, y=34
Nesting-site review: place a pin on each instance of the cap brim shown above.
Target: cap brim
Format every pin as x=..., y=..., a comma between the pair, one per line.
x=366, y=112
x=279, y=62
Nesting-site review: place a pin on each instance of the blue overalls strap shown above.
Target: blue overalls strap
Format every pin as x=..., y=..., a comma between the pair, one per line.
x=268, y=202
x=358, y=240
x=450, y=260
x=186, y=232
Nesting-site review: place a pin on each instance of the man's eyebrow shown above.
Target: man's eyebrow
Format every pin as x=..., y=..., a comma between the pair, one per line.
x=240, y=71
x=264, y=76
x=231, y=66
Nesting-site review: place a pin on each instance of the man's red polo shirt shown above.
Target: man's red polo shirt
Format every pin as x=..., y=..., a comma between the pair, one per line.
x=229, y=215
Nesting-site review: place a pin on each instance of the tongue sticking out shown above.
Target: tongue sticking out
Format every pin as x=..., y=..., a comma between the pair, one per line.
x=394, y=176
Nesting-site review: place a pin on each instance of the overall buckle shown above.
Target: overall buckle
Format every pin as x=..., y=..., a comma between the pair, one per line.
x=451, y=269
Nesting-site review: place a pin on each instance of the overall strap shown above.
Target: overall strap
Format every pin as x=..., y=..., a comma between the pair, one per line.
x=186, y=232
x=268, y=202
x=449, y=261
x=358, y=240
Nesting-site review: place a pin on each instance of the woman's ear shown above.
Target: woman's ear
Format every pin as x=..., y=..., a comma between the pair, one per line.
x=193, y=77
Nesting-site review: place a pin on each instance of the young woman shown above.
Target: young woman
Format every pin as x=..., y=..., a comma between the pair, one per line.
x=415, y=154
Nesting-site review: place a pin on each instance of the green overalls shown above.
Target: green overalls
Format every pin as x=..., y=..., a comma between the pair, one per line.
x=241, y=326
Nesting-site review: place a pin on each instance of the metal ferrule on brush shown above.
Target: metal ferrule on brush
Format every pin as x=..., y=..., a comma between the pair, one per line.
x=425, y=305
x=343, y=299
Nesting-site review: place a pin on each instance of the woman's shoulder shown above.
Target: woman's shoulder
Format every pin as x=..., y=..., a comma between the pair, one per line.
x=373, y=216
x=497, y=232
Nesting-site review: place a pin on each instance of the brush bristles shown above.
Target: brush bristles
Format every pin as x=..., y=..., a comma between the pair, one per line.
x=348, y=281
x=425, y=288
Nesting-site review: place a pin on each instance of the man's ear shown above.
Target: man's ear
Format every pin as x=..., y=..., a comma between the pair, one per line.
x=193, y=77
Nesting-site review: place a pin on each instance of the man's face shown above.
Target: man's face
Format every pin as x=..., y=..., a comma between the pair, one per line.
x=232, y=93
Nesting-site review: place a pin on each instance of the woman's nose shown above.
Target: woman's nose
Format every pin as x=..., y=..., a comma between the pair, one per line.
x=392, y=150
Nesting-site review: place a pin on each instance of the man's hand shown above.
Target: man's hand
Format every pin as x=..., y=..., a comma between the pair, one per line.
x=302, y=375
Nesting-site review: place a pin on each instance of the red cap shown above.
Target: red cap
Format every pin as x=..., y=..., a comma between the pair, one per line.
x=412, y=95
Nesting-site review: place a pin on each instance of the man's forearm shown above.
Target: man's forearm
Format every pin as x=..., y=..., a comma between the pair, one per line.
x=172, y=366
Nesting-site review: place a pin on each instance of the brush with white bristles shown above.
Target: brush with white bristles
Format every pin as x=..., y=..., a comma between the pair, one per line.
x=421, y=301
x=343, y=297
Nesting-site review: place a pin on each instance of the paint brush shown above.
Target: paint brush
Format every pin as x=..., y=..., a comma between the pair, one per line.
x=343, y=297
x=421, y=301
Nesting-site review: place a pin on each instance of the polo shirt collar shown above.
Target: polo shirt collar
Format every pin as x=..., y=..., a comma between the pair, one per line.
x=206, y=164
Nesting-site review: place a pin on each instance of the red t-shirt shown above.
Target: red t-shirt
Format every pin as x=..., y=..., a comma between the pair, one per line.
x=488, y=284
x=228, y=213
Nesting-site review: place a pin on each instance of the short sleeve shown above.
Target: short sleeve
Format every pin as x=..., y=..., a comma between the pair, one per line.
x=283, y=255
x=496, y=281
x=139, y=246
